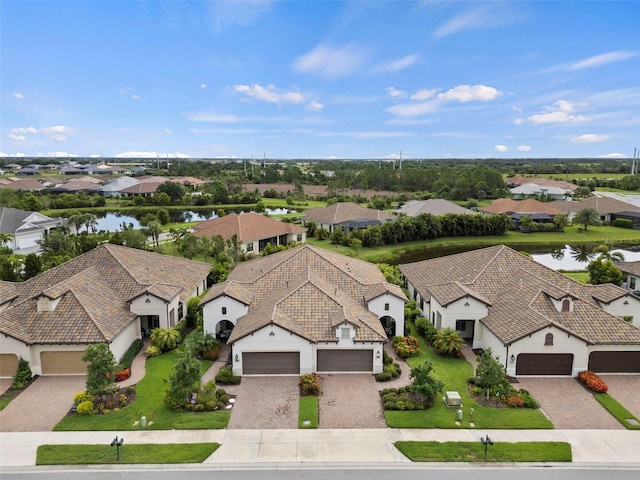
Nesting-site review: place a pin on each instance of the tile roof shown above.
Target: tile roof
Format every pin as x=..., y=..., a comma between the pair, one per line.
x=307, y=290
x=630, y=267
x=344, y=211
x=530, y=205
x=519, y=291
x=92, y=292
x=519, y=180
x=249, y=227
x=434, y=206
x=605, y=205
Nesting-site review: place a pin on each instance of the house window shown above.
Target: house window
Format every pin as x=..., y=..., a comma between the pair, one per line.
x=299, y=238
x=224, y=310
x=386, y=307
x=249, y=247
x=459, y=325
x=632, y=282
x=566, y=304
x=548, y=339
x=345, y=333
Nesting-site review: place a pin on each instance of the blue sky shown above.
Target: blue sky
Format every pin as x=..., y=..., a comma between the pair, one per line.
x=320, y=79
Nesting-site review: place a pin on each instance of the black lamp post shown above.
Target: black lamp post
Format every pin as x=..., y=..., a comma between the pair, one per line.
x=486, y=441
x=118, y=443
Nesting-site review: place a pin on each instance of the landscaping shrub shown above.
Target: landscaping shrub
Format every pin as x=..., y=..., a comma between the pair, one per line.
x=82, y=397
x=152, y=351
x=448, y=342
x=225, y=376
x=310, y=384
x=421, y=325
x=123, y=374
x=166, y=338
x=85, y=408
x=386, y=359
x=390, y=372
x=210, y=406
x=592, y=381
x=406, y=347
x=23, y=374
x=400, y=399
x=129, y=355
x=199, y=408
x=383, y=377
x=622, y=223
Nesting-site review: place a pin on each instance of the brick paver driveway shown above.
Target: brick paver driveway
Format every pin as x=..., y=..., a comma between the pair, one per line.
x=626, y=390
x=265, y=403
x=568, y=404
x=350, y=401
x=42, y=405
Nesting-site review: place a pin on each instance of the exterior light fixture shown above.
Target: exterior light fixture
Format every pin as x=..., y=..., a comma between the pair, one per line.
x=237, y=358
x=512, y=358
x=117, y=442
x=378, y=354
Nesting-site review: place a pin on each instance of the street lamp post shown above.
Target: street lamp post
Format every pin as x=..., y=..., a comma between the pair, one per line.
x=486, y=441
x=118, y=443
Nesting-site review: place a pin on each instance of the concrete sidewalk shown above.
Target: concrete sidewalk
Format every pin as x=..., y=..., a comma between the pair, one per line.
x=352, y=447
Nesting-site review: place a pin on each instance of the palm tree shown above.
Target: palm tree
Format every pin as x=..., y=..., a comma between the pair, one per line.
x=586, y=217
x=448, y=342
x=606, y=253
x=165, y=338
x=154, y=229
x=5, y=239
x=582, y=252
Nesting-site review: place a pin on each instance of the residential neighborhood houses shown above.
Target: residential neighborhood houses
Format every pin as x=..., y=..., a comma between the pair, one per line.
x=25, y=229
x=347, y=216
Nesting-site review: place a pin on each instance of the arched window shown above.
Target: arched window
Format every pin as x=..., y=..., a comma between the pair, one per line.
x=548, y=339
x=566, y=304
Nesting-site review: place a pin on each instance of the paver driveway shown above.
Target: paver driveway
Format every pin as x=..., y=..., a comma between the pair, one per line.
x=350, y=401
x=42, y=405
x=626, y=390
x=568, y=404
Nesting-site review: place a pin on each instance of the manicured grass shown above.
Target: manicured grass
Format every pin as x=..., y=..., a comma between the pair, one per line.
x=617, y=410
x=454, y=372
x=582, y=277
x=149, y=402
x=134, y=453
x=474, y=451
x=308, y=410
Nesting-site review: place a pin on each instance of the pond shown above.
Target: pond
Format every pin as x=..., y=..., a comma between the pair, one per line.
x=567, y=258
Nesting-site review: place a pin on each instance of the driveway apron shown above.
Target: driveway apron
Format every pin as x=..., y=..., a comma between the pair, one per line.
x=350, y=401
x=568, y=404
x=42, y=405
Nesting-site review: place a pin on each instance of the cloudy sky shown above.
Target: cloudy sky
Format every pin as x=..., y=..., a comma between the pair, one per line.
x=320, y=79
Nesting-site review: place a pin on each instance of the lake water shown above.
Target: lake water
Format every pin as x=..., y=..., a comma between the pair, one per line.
x=563, y=259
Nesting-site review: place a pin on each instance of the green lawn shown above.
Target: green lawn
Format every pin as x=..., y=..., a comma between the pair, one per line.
x=616, y=409
x=474, y=451
x=582, y=277
x=149, y=402
x=135, y=453
x=454, y=372
x=308, y=410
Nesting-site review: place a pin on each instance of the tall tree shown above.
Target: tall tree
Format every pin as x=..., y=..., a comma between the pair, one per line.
x=101, y=371
x=602, y=270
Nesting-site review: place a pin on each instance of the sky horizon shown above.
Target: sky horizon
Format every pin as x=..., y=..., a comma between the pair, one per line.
x=319, y=79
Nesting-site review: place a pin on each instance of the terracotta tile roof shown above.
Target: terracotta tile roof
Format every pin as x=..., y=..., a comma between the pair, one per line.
x=630, y=267
x=530, y=205
x=344, y=211
x=306, y=290
x=249, y=227
x=519, y=291
x=8, y=291
x=92, y=293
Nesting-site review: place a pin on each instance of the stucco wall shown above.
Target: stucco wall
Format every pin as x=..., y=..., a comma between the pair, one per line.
x=620, y=309
x=123, y=341
x=212, y=312
x=396, y=309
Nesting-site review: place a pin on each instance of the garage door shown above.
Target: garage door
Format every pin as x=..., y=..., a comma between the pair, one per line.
x=614, y=362
x=544, y=364
x=271, y=363
x=8, y=364
x=345, y=360
x=63, y=363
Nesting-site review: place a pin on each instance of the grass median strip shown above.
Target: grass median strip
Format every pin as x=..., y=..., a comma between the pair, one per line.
x=624, y=416
x=134, y=453
x=308, y=412
x=474, y=451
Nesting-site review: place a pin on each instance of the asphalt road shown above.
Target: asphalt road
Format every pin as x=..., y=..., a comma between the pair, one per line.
x=420, y=472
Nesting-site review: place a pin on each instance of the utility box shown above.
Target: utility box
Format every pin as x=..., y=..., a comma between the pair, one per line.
x=143, y=422
x=452, y=399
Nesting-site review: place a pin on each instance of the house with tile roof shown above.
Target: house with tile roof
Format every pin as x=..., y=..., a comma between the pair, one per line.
x=606, y=207
x=305, y=310
x=536, y=320
x=432, y=206
x=346, y=215
x=631, y=271
x=254, y=231
x=111, y=294
x=27, y=228
x=540, y=212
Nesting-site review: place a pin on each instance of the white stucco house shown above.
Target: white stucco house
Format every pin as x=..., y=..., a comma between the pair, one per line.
x=631, y=271
x=305, y=310
x=111, y=294
x=538, y=321
x=26, y=228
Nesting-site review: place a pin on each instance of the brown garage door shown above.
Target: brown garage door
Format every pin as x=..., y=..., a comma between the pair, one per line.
x=544, y=364
x=614, y=362
x=8, y=364
x=271, y=363
x=63, y=363
x=345, y=360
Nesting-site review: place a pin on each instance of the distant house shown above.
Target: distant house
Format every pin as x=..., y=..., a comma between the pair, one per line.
x=632, y=274
x=28, y=172
x=346, y=215
x=433, y=206
x=541, y=182
x=540, y=212
x=26, y=228
x=114, y=187
x=111, y=294
x=546, y=192
x=21, y=184
x=536, y=320
x=305, y=310
x=605, y=206
x=253, y=231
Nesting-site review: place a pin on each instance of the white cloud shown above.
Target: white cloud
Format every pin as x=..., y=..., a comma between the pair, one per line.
x=16, y=138
x=212, y=117
x=613, y=155
x=501, y=148
x=269, y=94
x=468, y=93
x=238, y=12
x=167, y=131
x=2, y=154
x=203, y=85
x=396, y=65
x=524, y=148
x=559, y=112
x=331, y=62
x=518, y=121
x=483, y=17
x=135, y=97
x=18, y=95
x=603, y=59
x=24, y=130
x=394, y=92
x=413, y=109
x=57, y=133
x=315, y=106
x=422, y=95
x=590, y=138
